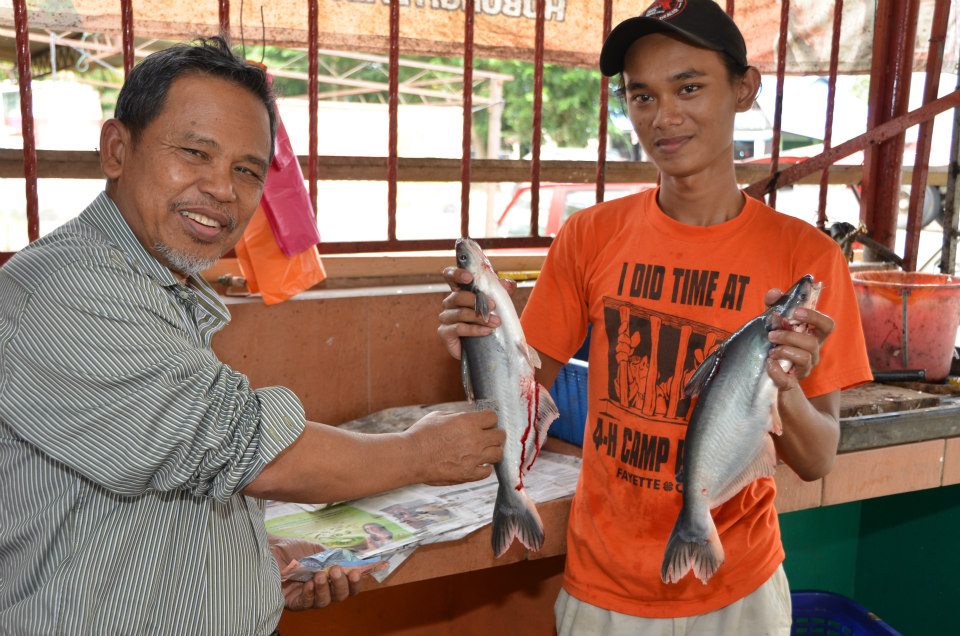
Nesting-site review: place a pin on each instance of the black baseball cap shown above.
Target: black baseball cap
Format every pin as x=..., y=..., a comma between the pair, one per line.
x=702, y=22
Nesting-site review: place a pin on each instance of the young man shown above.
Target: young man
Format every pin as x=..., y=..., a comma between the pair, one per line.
x=663, y=276
x=133, y=461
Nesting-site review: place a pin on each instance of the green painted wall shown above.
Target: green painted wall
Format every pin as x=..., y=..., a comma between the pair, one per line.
x=908, y=563
x=898, y=556
x=821, y=547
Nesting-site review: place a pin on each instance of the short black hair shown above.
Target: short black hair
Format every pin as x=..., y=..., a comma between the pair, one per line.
x=144, y=93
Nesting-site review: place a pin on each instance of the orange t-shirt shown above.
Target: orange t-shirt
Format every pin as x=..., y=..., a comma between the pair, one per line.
x=659, y=295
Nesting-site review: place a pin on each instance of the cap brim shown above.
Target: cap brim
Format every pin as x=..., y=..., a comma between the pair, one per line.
x=629, y=31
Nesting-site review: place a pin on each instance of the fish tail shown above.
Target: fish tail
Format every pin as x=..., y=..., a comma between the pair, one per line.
x=694, y=544
x=515, y=517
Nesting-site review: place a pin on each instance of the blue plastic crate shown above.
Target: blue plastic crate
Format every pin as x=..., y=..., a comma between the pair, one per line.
x=819, y=613
x=569, y=391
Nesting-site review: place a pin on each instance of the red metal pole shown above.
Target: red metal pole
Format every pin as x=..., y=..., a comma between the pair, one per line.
x=730, y=8
x=224, y=6
x=312, y=87
x=604, y=114
x=537, y=118
x=469, y=11
x=938, y=36
x=778, y=107
x=126, y=25
x=873, y=137
x=25, y=79
x=891, y=68
x=831, y=100
x=393, y=105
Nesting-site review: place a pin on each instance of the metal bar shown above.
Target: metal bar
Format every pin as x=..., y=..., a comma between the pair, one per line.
x=25, y=80
x=891, y=70
x=948, y=255
x=224, y=8
x=904, y=331
x=537, y=119
x=313, y=103
x=359, y=247
x=938, y=36
x=831, y=103
x=394, y=102
x=868, y=139
x=778, y=107
x=469, y=11
x=604, y=114
x=126, y=28
x=730, y=8
x=84, y=164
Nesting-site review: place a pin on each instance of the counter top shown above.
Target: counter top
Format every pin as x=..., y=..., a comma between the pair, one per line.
x=879, y=454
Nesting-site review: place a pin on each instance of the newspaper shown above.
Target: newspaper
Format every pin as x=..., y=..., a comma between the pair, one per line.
x=390, y=526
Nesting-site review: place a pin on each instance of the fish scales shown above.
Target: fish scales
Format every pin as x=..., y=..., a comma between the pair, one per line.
x=498, y=372
x=728, y=445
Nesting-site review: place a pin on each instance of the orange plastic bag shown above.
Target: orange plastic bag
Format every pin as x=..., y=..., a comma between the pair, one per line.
x=270, y=272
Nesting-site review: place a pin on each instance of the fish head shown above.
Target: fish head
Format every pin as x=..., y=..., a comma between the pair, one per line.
x=804, y=293
x=471, y=258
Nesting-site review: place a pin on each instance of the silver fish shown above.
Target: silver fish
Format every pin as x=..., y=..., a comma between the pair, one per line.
x=498, y=373
x=728, y=443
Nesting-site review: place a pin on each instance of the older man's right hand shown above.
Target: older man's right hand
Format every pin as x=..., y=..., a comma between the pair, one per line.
x=457, y=447
x=458, y=316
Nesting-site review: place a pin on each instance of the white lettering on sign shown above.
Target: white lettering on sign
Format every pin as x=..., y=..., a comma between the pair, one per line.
x=554, y=10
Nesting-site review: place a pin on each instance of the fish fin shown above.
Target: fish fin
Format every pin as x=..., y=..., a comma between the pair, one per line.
x=704, y=372
x=776, y=423
x=465, y=378
x=530, y=354
x=482, y=305
x=763, y=464
x=515, y=517
x=694, y=544
x=541, y=417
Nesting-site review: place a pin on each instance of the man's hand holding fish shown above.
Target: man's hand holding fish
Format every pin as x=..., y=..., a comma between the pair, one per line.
x=811, y=427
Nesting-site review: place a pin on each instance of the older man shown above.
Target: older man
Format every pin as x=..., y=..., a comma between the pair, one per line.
x=132, y=460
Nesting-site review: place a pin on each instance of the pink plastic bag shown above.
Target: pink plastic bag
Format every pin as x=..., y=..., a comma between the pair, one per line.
x=286, y=201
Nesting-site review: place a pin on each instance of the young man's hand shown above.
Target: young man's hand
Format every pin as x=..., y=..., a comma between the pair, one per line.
x=801, y=347
x=458, y=316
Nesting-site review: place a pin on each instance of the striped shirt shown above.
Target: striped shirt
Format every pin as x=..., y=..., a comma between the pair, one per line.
x=124, y=446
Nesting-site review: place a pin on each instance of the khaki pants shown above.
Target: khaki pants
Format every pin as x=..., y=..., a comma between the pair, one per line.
x=765, y=612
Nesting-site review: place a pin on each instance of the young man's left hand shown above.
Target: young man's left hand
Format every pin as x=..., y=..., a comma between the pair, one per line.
x=802, y=348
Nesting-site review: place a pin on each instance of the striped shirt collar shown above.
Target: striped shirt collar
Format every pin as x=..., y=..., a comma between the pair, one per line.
x=104, y=214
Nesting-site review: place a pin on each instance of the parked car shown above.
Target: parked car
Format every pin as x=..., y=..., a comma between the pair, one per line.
x=557, y=202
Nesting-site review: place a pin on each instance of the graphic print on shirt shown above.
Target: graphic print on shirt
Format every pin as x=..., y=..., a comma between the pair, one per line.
x=651, y=355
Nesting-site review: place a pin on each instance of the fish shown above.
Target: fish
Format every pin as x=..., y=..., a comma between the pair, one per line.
x=728, y=442
x=498, y=373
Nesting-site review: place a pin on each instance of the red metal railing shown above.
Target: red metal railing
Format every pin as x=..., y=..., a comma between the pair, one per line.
x=895, y=34
x=469, y=11
x=604, y=105
x=831, y=101
x=26, y=118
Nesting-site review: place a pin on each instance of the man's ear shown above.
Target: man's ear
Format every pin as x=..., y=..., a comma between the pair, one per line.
x=748, y=89
x=114, y=141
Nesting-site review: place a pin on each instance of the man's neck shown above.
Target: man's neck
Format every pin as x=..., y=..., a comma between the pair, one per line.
x=704, y=199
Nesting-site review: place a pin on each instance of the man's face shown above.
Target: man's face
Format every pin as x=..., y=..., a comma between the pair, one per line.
x=682, y=104
x=190, y=184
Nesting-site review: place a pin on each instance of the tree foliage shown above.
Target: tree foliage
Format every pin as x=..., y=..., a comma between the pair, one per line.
x=571, y=95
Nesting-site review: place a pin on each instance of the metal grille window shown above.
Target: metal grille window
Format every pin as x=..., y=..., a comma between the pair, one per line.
x=399, y=37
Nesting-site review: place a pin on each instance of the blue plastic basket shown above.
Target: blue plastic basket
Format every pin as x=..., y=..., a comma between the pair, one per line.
x=817, y=613
x=569, y=391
